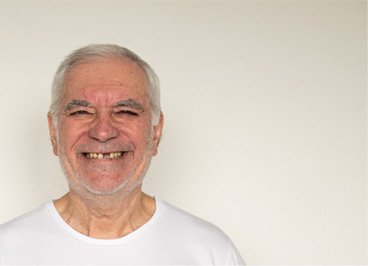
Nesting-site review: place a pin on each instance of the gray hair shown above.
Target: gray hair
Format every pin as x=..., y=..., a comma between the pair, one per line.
x=96, y=51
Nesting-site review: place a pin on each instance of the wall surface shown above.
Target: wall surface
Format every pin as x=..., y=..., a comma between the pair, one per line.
x=265, y=107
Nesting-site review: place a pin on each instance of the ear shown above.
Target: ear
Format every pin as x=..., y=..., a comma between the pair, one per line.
x=157, y=133
x=52, y=131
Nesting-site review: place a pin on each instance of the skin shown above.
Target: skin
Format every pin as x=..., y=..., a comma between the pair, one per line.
x=105, y=110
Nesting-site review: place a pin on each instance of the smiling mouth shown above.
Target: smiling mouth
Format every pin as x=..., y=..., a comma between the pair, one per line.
x=110, y=155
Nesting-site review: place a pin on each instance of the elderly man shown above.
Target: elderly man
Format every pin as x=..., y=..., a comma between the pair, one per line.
x=105, y=125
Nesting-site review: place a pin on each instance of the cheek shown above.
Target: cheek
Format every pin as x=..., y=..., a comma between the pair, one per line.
x=147, y=140
x=136, y=130
x=68, y=136
x=143, y=132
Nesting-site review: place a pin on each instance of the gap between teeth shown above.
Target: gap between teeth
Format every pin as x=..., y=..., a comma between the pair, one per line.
x=102, y=155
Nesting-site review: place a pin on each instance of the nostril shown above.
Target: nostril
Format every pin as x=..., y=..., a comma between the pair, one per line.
x=103, y=130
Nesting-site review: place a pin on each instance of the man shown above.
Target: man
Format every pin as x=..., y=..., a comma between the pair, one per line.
x=105, y=124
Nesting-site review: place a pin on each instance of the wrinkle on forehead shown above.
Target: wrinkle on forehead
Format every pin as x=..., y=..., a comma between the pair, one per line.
x=106, y=79
x=116, y=72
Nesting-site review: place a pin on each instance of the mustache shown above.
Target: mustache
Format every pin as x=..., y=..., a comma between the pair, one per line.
x=104, y=147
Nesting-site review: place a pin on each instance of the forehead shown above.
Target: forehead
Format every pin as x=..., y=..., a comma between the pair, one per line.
x=106, y=78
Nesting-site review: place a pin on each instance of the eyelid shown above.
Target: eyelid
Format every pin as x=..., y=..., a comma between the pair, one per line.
x=79, y=110
x=127, y=109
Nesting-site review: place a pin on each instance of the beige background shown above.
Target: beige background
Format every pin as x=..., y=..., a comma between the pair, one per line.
x=265, y=106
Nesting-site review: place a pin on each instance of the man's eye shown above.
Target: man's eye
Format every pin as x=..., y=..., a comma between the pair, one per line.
x=126, y=112
x=79, y=113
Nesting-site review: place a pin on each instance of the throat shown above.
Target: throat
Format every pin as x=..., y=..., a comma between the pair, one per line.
x=107, y=223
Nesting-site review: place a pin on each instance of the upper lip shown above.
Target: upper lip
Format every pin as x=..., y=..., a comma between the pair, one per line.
x=108, y=148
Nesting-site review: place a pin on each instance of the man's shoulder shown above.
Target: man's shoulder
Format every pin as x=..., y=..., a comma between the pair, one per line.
x=23, y=223
x=200, y=237
x=186, y=224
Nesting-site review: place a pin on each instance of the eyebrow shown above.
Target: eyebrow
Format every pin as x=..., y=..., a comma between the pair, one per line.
x=129, y=103
x=77, y=103
x=124, y=103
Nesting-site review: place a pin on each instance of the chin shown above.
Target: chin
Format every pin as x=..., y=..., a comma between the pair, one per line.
x=104, y=182
x=88, y=189
x=110, y=190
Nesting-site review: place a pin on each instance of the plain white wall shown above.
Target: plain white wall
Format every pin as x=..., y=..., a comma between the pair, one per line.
x=265, y=106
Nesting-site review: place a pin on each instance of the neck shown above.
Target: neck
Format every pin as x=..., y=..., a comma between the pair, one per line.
x=106, y=217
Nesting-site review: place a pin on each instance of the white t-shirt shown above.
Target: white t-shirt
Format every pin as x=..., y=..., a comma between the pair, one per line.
x=170, y=237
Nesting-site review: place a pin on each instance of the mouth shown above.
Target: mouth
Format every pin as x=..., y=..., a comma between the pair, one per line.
x=100, y=156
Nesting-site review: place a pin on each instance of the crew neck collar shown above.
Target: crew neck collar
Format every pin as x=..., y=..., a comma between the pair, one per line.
x=116, y=241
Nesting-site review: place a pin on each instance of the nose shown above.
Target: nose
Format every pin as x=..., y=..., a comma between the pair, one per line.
x=103, y=129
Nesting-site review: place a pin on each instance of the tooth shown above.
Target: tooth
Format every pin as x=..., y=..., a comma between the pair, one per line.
x=110, y=155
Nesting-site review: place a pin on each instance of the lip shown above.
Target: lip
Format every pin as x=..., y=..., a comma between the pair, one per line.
x=104, y=148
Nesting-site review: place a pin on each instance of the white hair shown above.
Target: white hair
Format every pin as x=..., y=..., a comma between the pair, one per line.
x=96, y=51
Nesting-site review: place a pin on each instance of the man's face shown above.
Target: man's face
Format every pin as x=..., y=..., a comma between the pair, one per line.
x=105, y=138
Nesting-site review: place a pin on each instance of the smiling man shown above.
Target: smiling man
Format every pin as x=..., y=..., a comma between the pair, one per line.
x=105, y=125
